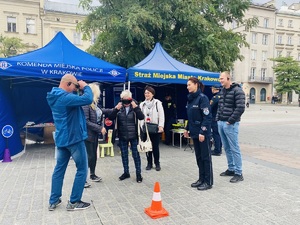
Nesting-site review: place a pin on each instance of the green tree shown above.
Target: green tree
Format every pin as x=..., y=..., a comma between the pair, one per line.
x=192, y=31
x=10, y=46
x=287, y=71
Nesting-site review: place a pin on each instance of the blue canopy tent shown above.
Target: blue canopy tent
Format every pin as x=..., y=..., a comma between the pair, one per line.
x=160, y=67
x=25, y=79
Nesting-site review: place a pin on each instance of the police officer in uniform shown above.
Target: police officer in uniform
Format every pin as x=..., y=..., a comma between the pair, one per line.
x=199, y=128
x=214, y=124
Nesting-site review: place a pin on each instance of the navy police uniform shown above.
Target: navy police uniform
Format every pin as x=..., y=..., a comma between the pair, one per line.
x=214, y=124
x=199, y=122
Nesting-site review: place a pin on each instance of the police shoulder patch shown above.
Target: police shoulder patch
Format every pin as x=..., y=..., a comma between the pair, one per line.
x=206, y=111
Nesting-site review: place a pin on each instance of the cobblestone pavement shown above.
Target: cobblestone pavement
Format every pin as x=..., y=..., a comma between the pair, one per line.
x=270, y=140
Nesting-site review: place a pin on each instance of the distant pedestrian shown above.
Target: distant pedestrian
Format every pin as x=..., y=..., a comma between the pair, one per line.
x=231, y=107
x=214, y=124
x=170, y=117
x=70, y=133
x=127, y=113
x=199, y=129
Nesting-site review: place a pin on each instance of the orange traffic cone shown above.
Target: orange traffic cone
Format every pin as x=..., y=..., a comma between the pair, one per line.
x=156, y=210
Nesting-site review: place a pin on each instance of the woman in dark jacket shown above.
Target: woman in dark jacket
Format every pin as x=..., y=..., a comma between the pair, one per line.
x=94, y=121
x=199, y=128
x=127, y=114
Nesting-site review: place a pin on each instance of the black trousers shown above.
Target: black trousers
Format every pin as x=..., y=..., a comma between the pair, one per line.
x=203, y=158
x=155, y=149
x=167, y=128
x=91, y=149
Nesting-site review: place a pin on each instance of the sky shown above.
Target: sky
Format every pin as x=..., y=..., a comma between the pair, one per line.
x=278, y=2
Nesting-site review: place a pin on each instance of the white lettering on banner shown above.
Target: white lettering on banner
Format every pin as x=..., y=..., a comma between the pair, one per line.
x=63, y=72
x=66, y=66
x=92, y=69
x=34, y=64
x=44, y=71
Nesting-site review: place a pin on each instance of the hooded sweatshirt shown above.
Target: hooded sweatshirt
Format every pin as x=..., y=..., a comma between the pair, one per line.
x=68, y=116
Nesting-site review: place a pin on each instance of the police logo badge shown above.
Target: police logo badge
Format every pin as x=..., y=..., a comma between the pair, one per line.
x=205, y=111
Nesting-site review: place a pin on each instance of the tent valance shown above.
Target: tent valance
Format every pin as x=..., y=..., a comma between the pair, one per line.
x=160, y=67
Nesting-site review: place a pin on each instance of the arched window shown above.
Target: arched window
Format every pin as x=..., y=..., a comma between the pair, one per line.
x=263, y=95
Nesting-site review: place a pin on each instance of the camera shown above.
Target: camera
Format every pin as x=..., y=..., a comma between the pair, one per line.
x=77, y=85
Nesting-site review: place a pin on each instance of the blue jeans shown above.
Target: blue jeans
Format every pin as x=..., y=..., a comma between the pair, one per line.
x=229, y=136
x=78, y=153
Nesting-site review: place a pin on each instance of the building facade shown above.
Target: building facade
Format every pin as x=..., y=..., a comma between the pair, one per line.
x=255, y=71
x=287, y=39
x=36, y=22
x=277, y=33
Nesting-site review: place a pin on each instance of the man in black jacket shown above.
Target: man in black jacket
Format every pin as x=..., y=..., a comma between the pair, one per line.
x=230, y=109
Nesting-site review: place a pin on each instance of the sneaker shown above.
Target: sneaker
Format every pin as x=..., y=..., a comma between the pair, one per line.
x=157, y=167
x=124, y=176
x=80, y=205
x=227, y=173
x=87, y=185
x=95, y=178
x=149, y=167
x=236, y=178
x=54, y=205
x=139, y=178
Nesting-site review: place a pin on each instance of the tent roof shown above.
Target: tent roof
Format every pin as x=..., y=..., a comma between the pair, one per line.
x=59, y=57
x=160, y=67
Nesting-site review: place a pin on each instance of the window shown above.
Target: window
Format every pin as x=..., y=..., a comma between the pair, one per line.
x=288, y=54
x=253, y=54
x=263, y=73
x=30, y=26
x=76, y=38
x=11, y=24
x=266, y=23
x=265, y=39
x=93, y=38
x=252, y=73
x=290, y=23
x=264, y=55
x=232, y=73
x=279, y=53
x=234, y=24
x=279, y=39
x=289, y=40
x=254, y=38
x=280, y=22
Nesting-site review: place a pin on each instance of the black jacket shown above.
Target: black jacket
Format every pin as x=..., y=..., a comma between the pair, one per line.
x=199, y=115
x=93, y=127
x=127, y=124
x=231, y=104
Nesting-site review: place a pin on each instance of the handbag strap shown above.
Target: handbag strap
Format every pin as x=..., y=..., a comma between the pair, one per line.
x=139, y=132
